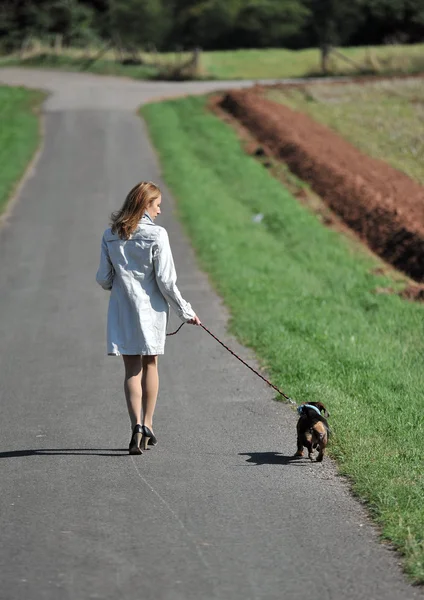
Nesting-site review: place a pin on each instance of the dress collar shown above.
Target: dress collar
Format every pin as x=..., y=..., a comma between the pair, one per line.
x=148, y=217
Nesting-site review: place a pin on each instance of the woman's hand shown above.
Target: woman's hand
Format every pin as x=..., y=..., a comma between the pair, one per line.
x=194, y=321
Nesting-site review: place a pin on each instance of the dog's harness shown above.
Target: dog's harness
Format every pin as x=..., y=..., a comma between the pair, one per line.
x=300, y=411
x=302, y=406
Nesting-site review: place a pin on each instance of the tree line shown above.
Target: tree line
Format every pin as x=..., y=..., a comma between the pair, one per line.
x=212, y=24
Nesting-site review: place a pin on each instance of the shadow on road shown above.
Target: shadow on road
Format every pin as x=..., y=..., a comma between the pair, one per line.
x=273, y=458
x=66, y=452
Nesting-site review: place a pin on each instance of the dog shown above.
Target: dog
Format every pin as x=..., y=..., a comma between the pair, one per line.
x=313, y=430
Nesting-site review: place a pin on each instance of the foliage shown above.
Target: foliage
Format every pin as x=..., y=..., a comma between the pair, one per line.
x=265, y=22
x=45, y=19
x=397, y=10
x=333, y=21
x=396, y=20
x=212, y=24
x=202, y=23
x=71, y=18
x=138, y=22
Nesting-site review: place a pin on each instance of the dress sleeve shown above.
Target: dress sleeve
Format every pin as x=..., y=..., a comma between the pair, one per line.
x=105, y=272
x=166, y=277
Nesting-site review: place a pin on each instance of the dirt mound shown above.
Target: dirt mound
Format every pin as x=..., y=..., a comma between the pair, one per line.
x=384, y=206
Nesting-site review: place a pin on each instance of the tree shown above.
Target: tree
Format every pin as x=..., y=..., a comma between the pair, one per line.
x=8, y=27
x=21, y=19
x=237, y=23
x=332, y=22
x=139, y=22
x=70, y=18
x=204, y=22
x=269, y=22
x=401, y=20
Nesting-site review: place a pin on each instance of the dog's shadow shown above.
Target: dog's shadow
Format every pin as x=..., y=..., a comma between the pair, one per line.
x=273, y=458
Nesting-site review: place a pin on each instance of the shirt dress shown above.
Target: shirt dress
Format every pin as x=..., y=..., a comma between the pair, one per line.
x=141, y=275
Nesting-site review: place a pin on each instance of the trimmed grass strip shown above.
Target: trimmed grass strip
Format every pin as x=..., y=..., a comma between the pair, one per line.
x=302, y=296
x=19, y=136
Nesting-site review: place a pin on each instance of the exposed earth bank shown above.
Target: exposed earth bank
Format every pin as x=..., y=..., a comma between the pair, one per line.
x=382, y=205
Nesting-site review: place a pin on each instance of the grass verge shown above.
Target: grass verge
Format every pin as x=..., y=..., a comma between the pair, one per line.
x=19, y=136
x=303, y=297
x=391, y=110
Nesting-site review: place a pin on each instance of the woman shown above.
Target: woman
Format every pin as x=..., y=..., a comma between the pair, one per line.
x=136, y=264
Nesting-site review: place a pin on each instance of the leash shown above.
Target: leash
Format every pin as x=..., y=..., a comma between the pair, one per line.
x=174, y=332
x=241, y=360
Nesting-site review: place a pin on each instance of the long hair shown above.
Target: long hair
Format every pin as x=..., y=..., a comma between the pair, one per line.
x=124, y=221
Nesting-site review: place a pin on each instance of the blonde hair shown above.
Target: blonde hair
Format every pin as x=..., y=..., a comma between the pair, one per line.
x=124, y=221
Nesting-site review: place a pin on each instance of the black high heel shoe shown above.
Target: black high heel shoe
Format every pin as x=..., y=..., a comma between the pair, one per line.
x=135, y=442
x=149, y=437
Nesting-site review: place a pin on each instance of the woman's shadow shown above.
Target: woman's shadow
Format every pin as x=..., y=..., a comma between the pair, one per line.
x=255, y=458
x=65, y=452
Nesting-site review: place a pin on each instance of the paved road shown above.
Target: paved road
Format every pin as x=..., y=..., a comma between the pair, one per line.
x=218, y=510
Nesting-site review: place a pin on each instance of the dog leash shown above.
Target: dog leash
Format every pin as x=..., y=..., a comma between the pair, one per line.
x=274, y=387
x=176, y=331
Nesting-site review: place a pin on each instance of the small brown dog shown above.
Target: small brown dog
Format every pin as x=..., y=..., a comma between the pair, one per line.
x=312, y=429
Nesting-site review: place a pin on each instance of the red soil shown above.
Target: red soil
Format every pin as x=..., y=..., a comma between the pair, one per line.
x=382, y=205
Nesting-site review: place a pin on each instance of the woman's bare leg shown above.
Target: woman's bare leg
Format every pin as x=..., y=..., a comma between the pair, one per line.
x=132, y=387
x=150, y=387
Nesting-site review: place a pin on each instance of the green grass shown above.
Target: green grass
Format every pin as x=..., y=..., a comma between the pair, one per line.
x=384, y=119
x=282, y=63
x=302, y=296
x=19, y=136
x=71, y=63
x=244, y=64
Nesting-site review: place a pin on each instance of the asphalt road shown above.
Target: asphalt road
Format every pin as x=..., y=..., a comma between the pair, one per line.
x=219, y=510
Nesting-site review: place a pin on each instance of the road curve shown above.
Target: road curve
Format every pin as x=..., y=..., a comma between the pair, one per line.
x=218, y=511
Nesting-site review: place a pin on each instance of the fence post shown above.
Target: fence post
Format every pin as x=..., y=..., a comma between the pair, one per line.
x=58, y=44
x=196, y=60
x=27, y=46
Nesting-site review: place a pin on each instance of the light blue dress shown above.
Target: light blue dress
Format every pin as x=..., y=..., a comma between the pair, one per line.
x=141, y=276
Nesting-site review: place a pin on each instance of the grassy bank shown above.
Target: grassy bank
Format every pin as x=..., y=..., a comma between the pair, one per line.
x=384, y=119
x=240, y=64
x=302, y=297
x=19, y=136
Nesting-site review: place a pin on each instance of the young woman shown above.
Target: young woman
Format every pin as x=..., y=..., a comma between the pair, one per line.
x=136, y=264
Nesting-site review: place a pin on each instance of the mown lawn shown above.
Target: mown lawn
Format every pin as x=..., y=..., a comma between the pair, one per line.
x=385, y=119
x=275, y=63
x=19, y=135
x=71, y=62
x=282, y=63
x=303, y=297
